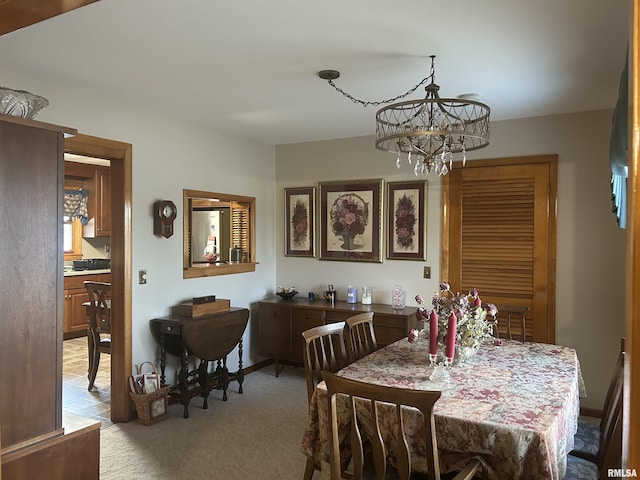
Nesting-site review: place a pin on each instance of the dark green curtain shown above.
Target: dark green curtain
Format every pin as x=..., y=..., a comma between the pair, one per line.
x=618, y=149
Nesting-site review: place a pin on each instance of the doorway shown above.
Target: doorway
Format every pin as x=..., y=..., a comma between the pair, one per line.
x=119, y=154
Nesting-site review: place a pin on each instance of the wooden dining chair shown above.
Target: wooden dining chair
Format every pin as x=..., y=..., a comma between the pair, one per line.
x=361, y=337
x=610, y=446
x=507, y=313
x=324, y=350
x=375, y=465
x=590, y=441
x=99, y=325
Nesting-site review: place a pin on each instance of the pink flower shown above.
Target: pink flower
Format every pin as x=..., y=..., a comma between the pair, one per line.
x=491, y=309
x=419, y=299
x=421, y=314
x=413, y=335
x=444, y=286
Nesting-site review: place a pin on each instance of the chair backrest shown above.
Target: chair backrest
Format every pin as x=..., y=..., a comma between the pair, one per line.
x=515, y=313
x=100, y=308
x=362, y=337
x=324, y=350
x=361, y=395
x=610, y=424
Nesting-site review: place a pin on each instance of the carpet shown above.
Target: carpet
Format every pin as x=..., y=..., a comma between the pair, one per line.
x=256, y=435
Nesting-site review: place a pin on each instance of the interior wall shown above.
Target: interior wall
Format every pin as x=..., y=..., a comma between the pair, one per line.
x=590, y=246
x=169, y=156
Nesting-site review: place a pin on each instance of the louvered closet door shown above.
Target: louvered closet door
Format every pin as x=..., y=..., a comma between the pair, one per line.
x=499, y=237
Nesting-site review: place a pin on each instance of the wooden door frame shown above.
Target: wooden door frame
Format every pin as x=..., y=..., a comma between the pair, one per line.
x=631, y=413
x=119, y=154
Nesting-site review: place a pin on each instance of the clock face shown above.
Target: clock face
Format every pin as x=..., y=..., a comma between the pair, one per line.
x=167, y=211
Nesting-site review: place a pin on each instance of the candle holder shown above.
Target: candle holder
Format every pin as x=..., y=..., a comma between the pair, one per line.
x=440, y=372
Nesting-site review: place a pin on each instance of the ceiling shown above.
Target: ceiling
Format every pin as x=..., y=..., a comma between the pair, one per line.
x=250, y=67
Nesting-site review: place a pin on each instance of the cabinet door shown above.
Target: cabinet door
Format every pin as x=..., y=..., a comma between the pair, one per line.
x=274, y=331
x=103, y=202
x=78, y=317
x=99, y=224
x=302, y=319
x=390, y=328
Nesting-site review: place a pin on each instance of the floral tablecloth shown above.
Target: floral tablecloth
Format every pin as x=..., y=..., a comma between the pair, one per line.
x=515, y=406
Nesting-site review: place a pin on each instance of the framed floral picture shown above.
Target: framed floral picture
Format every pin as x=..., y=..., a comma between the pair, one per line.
x=299, y=222
x=351, y=220
x=406, y=220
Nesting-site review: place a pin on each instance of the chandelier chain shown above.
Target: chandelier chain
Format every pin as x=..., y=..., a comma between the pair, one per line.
x=380, y=102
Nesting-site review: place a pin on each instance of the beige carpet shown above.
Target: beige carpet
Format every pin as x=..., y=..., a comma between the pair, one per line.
x=256, y=435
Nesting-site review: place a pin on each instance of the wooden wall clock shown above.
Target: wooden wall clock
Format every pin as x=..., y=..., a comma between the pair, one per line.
x=164, y=213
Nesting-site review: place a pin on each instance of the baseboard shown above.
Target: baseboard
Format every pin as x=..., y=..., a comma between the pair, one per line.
x=591, y=412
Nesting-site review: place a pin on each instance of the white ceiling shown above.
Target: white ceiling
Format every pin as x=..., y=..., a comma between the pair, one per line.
x=250, y=67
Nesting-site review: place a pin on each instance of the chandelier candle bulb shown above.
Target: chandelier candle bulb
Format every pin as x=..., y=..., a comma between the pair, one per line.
x=433, y=333
x=451, y=336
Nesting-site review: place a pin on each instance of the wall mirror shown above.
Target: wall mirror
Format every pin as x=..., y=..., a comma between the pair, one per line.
x=219, y=234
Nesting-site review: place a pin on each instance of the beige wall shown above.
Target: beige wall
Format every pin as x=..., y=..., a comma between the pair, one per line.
x=590, y=246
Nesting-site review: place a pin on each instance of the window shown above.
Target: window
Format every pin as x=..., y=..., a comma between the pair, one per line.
x=72, y=238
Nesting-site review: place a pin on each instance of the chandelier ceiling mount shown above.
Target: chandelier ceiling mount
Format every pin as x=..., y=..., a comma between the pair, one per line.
x=428, y=131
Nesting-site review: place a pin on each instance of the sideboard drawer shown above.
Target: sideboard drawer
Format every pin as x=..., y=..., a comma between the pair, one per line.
x=332, y=316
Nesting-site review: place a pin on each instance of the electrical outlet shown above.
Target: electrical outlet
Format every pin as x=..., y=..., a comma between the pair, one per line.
x=142, y=276
x=426, y=272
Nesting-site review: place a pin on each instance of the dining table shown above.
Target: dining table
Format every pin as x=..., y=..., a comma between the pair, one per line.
x=514, y=405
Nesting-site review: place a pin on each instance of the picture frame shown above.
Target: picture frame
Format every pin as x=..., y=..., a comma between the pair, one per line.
x=350, y=218
x=406, y=220
x=299, y=222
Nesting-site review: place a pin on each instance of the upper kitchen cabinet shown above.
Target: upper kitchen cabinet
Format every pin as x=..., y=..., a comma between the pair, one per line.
x=96, y=180
x=99, y=224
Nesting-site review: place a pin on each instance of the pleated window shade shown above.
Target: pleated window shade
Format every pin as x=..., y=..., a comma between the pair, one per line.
x=240, y=231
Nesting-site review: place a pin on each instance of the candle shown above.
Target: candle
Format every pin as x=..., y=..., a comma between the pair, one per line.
x=451, y=335
x=433, y=333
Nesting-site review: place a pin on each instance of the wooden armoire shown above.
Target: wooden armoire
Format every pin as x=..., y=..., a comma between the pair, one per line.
x=38, y=441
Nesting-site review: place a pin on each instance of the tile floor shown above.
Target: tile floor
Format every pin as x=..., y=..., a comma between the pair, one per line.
x=75, y=396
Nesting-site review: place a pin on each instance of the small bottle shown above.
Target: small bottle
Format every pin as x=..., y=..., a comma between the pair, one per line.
x=366, y=295
x=351, y=294
x=398, y=296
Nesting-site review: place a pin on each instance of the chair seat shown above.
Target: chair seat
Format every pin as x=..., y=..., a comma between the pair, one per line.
x=580, y=469
x=586, y=440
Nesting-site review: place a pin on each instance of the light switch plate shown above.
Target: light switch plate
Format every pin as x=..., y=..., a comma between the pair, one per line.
x=426, y=272
x=142, y=276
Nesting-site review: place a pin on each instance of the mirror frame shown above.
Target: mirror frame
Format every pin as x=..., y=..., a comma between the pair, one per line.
x=207, y=269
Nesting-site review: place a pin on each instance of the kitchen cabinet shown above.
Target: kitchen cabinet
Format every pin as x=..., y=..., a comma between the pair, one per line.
x=99, y=224
x=281, y=323
x=75, y=294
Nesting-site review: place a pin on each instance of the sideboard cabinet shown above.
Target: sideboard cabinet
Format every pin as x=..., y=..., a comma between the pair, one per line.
x=281, y=323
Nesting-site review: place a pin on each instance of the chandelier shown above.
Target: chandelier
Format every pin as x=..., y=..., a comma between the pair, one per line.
x=428, y=131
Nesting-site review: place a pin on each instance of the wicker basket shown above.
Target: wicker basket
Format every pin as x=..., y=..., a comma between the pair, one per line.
x=151, y=407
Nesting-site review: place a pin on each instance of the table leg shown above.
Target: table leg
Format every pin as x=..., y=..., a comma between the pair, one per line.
x=205, y=383
x=240, y=374
x=163, y=360
x=183, y=381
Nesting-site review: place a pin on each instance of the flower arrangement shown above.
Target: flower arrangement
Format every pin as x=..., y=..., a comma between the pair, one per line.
x=405, y=222
x=299, y=222
x=349, y=215
x=475, y=321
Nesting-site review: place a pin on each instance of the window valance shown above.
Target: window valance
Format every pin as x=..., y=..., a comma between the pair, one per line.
x=75, y=205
